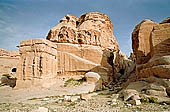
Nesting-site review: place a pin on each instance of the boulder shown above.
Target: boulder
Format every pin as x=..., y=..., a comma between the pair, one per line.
x=156, y=87
x=67, y=98
x=156, y=93
x=168, y=91
x=74, y=98
x=92, y=77
x=135, y=102
x=85, y=96
x=8, y=80
x=129, y=93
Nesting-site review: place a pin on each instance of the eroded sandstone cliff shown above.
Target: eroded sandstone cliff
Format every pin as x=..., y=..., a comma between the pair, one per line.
x=73, y=47
x=8, y=61
x=154, y=56
x=92, y=28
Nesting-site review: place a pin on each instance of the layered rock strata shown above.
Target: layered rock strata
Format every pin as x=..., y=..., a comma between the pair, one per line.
x=92, y=28
x=158, y=63
x=38, y=61
x=73, y=47
x=8, y=61
x=141, y=41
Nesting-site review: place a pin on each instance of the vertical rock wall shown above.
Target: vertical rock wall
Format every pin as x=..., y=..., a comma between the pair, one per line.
x=159, y=62
x=141, y=41
x=38, y=61
x=8, y=61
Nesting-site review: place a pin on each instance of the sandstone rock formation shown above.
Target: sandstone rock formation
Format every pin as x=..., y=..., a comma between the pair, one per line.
x=76, y=46
x=94, y=78
x=123, y=66
x=38, y=61
x=151, y=87
x=8, y=61
x=167, y=20
x=158, y=61
x=141, y=41
x=91, y=28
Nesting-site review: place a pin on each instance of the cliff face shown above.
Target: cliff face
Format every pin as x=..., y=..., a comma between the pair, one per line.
x=8, y=61
x=92, y=28
x=155, y=47
x=79, y=45
x=141, y=41
x=72, y=48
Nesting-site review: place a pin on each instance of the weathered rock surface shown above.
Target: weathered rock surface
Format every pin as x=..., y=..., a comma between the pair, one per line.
x=150, y=87
x=37, y=64
x=167, y=20
x=141, y=43
x=157, y=59
x=156, y=93
x=135, y=102
x=92, y=77
x=76, y=46
x=8, y=80
x=123, y=66
x=130, y=94
x=8, y=61
x=92, y=28
x=42, y=59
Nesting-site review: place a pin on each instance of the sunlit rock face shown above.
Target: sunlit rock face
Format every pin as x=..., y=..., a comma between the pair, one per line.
x=92, y=28
x=141, y=41
x=72, y=48
x=157, y=44
x=8, y=61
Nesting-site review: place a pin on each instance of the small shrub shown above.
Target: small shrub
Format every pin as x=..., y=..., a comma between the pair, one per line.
x=149, y=100
x=73, y=82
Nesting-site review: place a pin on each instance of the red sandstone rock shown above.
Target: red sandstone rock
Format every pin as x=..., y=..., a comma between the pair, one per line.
x=76, y=46
x=8, y=61
x=158, y=62
x=141, y=43
x=92, y=28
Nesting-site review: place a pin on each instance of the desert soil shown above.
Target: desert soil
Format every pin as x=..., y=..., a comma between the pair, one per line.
x=52, y=100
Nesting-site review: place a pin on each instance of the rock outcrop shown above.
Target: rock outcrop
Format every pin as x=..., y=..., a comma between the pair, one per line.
x=38, y=62
x=8, y=61
x=158, y=61
x=76, y=46
x=91, y=28
x=94, y=78
x=141, y=41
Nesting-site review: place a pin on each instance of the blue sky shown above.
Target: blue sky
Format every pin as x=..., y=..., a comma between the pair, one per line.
x=27, y=19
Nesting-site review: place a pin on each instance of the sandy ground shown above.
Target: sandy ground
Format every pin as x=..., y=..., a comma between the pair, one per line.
x=52, y=100
x=10, y=95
